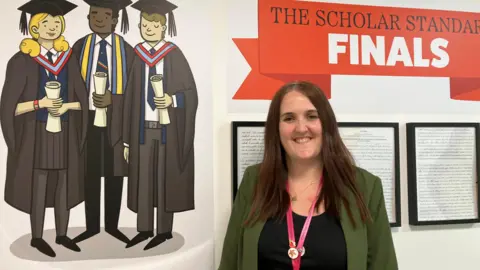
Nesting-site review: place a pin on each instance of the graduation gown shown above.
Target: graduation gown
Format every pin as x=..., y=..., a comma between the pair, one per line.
x=115, y=109
x=21, y=85
x=179, y=176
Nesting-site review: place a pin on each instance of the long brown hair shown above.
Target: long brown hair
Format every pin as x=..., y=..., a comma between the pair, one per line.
x=270, y=198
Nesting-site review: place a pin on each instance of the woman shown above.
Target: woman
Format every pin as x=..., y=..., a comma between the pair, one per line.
x=307, y=182
x=44, y=167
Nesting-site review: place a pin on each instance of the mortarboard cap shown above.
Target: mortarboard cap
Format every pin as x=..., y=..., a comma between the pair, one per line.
x=52, y=7
x=114, y=5
x=161, y=7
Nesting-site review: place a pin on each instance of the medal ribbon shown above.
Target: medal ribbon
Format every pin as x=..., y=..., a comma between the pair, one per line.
x=303, y=235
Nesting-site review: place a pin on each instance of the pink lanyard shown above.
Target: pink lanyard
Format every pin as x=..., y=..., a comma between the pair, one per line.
x=299, y=249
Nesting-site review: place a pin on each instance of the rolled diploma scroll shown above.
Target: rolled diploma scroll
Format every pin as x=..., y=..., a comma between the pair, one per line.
x=52, y=89
x=100, y=83
x=157, y=83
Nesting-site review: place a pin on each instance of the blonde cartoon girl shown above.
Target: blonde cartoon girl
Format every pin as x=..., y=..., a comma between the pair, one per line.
x=45, y=165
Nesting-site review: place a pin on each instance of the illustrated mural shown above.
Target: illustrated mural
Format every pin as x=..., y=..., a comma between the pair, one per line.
x=43, y=114
x=159, y=126
x=100, y=108
x=105, y=60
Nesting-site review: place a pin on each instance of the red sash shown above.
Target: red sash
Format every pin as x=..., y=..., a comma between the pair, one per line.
x=57, y=67
x=152, y=60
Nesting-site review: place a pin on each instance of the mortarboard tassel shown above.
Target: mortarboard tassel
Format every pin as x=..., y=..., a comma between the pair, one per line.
x=124, y=24
x=172, y=28
x=23, y=23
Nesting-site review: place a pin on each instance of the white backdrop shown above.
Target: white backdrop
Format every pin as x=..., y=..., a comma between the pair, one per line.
x=192, y=246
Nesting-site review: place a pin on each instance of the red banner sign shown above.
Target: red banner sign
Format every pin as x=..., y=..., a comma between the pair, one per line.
x=312, y=41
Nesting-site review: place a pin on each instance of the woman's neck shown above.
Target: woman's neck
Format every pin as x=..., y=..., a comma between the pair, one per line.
x=47, y=44
x=304, y=171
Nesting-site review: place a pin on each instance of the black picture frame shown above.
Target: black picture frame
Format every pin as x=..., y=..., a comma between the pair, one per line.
x=235, y=170
x=397, y=208
x=412, y=171
x=261, y=124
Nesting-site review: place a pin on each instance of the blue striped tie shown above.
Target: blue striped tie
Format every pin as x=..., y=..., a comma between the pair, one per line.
x=152, y=71
x=102, y=63
x=51, y=76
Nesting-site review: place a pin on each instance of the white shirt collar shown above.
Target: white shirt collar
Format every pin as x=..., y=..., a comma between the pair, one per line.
x=44, y=51
x=107, y=39
x=148, y=47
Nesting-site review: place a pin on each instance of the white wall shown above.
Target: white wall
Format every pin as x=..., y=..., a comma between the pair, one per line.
x=429, y=247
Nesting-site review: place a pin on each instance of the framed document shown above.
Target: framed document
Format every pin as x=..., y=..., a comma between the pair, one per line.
x=375, y=148
x=247, y=148
x=443, y=172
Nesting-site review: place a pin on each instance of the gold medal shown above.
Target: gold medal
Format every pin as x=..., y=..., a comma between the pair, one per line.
x=293, y=253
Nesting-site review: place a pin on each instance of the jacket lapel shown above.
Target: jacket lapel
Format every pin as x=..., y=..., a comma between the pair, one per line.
x=250, y=250
x=350, y=237
x=355, y=238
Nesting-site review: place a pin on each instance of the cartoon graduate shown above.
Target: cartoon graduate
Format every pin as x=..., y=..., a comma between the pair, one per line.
x=43, y=113
x=104, y=51
x=159, y=126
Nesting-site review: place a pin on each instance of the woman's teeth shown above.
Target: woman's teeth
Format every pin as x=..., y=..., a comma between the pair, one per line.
x=302, y=140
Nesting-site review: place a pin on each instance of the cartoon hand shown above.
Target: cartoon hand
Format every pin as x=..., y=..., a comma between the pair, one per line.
x=50, y=103
x=163, y=102
x=58, y=111
x=102, y=101
x=126, y=153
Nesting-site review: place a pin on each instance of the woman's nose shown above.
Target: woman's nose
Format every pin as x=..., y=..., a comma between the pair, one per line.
x=301, y=126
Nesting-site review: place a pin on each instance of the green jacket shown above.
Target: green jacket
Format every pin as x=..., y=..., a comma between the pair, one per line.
x=369, y=246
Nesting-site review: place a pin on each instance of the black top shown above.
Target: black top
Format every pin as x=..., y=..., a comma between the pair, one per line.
x=324, y=245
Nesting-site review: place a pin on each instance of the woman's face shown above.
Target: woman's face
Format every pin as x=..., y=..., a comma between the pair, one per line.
x=300, y=127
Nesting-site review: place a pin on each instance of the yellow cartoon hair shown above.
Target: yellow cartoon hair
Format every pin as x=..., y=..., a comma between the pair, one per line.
x=154, y=17
x=31, y=46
